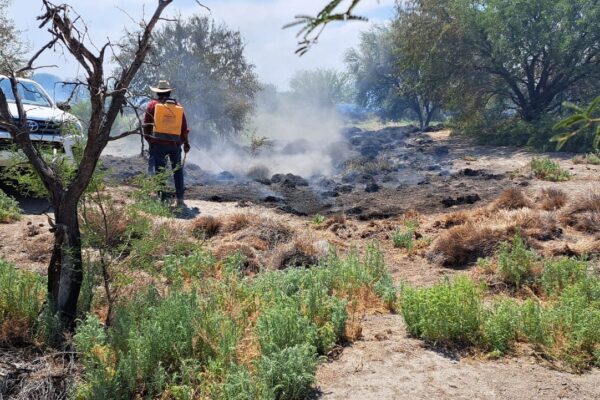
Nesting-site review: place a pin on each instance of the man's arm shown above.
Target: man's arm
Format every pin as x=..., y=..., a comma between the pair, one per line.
x=185, y=133
x=149, y=118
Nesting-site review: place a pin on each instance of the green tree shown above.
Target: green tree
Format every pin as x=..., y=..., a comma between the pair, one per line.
x=207, y=66
x=529, y=53
x=11, y=49
x=325, y=87
x=389, y=81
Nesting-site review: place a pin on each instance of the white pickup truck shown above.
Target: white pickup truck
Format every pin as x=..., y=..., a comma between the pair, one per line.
x=45, y=120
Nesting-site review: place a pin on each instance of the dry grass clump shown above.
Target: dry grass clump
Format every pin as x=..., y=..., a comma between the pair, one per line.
x=302, y=252
x=109, y=224
x=464, y=244
x=258, y=172
x=338, y=219
x=455, y=219
x=584, y=214
x=532, y=224
x=272, y=233
x=512, y=199
x=205, y=227
x=236, y=222
x=250, y=263
x=552, y=199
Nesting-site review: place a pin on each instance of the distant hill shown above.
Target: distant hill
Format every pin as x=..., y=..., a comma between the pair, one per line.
x=56, y=88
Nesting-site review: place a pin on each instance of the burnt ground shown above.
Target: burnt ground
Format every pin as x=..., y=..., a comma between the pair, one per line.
x=403, y=170
x=384, y=174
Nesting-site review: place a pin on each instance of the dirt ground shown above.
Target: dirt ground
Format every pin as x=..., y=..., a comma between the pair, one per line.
x=386, y=363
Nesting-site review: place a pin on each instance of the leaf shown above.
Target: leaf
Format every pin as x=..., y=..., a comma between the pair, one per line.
x=573, y=119
x=562, y=138
x=592, y=107
x=572, y=106
x=597, y=138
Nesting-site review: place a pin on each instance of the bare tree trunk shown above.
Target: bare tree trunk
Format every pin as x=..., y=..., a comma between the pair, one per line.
x=64, y=283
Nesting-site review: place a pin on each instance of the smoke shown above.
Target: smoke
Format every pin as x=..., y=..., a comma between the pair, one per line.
x=285, y=135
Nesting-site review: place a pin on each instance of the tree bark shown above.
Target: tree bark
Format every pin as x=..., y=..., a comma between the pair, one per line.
x=66, y=270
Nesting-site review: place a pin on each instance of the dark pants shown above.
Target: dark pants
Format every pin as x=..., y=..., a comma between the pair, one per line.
x=158, y=163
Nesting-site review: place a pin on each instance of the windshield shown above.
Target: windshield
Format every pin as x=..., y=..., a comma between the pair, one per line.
x=30, y=93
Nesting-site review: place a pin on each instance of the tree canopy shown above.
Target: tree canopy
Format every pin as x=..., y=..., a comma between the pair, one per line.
x=528, y=54
x=206, y=65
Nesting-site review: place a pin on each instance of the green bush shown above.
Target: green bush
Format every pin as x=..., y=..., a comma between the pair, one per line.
x=447, y=313
x=516, y=262
x=186, y=343
x=404, y=238
x=9, y=209
x=21, y=298
x=548, y=170
x=289, y=373
x=501, y=326
x=558, y=274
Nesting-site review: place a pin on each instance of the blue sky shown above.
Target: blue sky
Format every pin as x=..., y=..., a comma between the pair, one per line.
x=269, y=48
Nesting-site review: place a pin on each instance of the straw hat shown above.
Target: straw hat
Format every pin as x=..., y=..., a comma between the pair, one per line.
x=163, y=87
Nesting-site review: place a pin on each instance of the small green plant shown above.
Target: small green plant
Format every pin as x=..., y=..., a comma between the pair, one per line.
x=318, y=221
x=516, y=262
x=501, y=326
x=447, y=313
x=561, y=273
x=9, y=209
x=592, y=159
x=548, y=170
x=21, y=297
x=404, y=238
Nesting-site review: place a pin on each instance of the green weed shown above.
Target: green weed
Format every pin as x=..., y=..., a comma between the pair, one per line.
x=548, y=170
x=447, y=313
x=21, y=298
x=516, y=262
x=9, y=209
x=405, y=238
x=558, y=274
x=501, y=326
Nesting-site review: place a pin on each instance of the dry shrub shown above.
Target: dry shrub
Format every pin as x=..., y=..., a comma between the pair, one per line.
x=205, y=227
x=464, y=244
x=236, y=222
x=338, y=219
x=272, y=233
x=584, y=214
x=258, y=172
x=363, y=301
x=533, y=224
x=455, y=219
x=302, y=252
x=251, y=264
x=108, y=224
x=512, y=199
x=552, y=199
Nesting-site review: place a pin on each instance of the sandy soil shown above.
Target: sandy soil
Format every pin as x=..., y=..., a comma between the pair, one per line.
x=387, y=364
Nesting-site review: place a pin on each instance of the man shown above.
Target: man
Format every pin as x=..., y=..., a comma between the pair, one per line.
x=166, y=130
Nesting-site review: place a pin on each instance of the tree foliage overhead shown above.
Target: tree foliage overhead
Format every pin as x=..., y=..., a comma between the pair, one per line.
x=10, y=47
x=206, y=65
x=528, y=53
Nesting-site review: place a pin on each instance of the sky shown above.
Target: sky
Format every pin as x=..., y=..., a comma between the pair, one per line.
x=268, y=46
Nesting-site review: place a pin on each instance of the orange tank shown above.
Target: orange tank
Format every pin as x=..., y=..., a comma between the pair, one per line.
x=168, y=119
